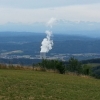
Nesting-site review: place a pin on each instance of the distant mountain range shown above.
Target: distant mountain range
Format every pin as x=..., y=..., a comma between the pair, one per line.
x=60, y=27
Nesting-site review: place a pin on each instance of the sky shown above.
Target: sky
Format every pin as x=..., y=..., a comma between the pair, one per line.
x=28, y=12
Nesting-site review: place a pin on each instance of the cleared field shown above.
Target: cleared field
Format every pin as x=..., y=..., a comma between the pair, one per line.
x=36, y=85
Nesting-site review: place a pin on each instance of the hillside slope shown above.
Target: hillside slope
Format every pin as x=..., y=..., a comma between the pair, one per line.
x=36, y=85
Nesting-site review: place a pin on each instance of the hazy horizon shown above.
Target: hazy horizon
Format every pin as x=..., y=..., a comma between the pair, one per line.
x=32, y=16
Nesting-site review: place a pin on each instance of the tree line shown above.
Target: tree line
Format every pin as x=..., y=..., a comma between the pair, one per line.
x=72, y=65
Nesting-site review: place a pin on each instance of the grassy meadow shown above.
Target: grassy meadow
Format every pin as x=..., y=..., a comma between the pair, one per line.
x=38, y=85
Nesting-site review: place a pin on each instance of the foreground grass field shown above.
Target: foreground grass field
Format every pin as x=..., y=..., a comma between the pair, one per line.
x=36, y=85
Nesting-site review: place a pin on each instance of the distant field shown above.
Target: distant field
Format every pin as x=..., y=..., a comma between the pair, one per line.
x=93, y=64
x=36, y=85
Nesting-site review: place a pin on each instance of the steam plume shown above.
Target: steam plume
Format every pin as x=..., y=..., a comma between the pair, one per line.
x=47, y=42
x=51, y=22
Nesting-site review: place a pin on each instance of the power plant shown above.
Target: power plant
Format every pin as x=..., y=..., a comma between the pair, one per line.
x=47, y=43
x=42, y=55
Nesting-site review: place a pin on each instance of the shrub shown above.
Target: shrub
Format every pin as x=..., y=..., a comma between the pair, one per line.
x=86, y=69
x=60, y=67
x=74, y=66
x=52, y=64
x=96, y=72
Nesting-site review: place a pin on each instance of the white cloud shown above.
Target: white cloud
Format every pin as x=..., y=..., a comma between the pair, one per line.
x=71, y=13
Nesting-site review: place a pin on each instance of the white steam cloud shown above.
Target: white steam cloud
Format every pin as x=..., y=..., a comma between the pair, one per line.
x=47, y=42
x=51, y=22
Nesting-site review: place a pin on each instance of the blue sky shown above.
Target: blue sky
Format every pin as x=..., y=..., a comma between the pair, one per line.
x=28, y=12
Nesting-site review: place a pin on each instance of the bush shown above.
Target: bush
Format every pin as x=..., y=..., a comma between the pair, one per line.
x=60, y=67
x=52, y=64
x=96, y=72
x=86, y=69
x=74, y=66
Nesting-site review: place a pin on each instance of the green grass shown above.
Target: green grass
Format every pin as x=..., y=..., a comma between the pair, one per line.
x=93, y=64
x=36, y=85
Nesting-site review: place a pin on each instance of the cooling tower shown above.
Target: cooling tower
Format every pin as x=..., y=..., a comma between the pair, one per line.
x=43, y=55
